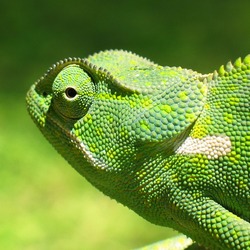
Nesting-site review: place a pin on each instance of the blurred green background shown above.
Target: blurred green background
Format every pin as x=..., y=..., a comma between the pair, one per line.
x=44, y=203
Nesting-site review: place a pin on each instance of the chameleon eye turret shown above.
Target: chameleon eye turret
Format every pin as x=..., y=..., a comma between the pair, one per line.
x=73, y=92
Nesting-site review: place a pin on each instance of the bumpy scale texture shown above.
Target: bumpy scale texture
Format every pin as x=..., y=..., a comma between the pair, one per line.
x=169, y=143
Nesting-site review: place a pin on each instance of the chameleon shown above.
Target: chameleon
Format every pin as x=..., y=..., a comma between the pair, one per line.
x=169, y=143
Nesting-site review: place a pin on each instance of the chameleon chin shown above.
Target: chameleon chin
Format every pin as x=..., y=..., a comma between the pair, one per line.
x=170, y=143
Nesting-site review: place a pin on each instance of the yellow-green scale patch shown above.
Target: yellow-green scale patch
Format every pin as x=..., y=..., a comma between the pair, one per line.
x=228, y=117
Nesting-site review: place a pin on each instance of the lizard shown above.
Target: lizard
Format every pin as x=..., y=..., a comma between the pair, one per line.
x=170, y=143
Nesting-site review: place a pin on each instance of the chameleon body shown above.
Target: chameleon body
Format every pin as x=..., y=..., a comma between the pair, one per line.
x=170, y=143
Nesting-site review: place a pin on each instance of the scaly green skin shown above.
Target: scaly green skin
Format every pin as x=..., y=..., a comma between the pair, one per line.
x=169, y=143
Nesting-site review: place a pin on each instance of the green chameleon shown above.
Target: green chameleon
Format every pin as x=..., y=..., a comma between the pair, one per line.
x=169, y=143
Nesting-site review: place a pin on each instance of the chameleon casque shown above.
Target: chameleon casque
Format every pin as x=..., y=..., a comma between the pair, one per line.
x=169, y=143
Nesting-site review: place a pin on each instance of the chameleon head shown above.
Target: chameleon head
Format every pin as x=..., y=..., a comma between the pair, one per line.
x=116, y=128
x=83, y=124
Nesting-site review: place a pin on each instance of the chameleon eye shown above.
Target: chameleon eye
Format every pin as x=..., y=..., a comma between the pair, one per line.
x=73, y=92
x=70, y=93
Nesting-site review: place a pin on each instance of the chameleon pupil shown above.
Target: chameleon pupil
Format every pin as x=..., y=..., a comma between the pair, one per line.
x=70, y=92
